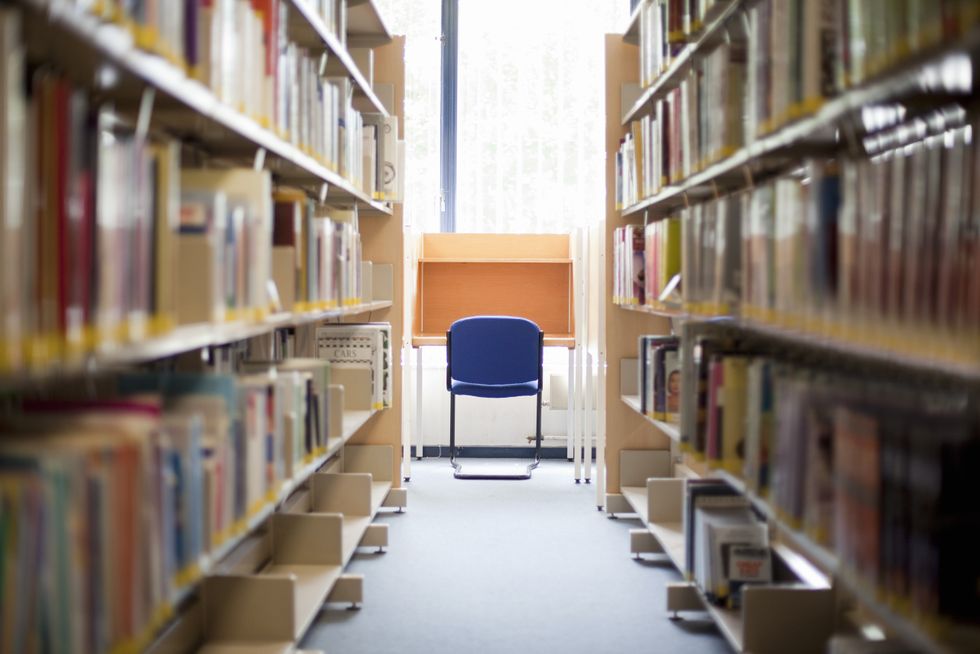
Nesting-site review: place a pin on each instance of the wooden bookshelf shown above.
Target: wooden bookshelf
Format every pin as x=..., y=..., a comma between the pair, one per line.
x=915, y=78
x=383, y=241
x=776, y=617
x=81, y=43
x=625, y=428
x=260, y=582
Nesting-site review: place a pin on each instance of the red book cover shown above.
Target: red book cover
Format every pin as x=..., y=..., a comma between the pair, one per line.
x=715, y=408
x=61, y=153
x=636, y=251
x=648, y=275
x=285, y=222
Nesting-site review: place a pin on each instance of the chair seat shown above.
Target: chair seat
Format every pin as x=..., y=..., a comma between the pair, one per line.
x=495, y=390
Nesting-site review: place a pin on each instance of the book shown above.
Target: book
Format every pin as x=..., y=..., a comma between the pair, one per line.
x=717, y=530
x=365, y=345
x=703, y=493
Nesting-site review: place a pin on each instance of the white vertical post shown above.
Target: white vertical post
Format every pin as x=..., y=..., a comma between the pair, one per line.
x=587, y=421
x=406, y=432
x=569, y=404
x=600, y=441
x=579, y=326
x=419, y=394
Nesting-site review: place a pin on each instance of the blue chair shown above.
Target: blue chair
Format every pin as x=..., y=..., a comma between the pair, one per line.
x=494, y=356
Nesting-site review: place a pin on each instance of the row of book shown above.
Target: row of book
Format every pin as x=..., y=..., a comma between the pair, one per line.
x=241, y=51
x=698, y=122
x=647, y=263
x=876, y=470
x=877, y=36
x=882, y=249
x=664, y=27
x=659, y=383
x=321, y=251
x=86, y=266
x=114, y=505
x=726, y=545
x=711, y=260
x=779, y=61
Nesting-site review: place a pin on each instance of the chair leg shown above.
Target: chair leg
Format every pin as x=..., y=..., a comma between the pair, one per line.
x=452, y=428
x=537, y=434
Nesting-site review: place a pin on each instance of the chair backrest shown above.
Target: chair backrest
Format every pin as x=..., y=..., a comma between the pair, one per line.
x=494, y=350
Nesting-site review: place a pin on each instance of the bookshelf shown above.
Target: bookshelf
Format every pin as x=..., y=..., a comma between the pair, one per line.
x=881, y=111
x=81, y=42
x=242, y=484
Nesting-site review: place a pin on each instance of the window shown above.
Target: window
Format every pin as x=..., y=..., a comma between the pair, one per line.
x=530, y=111
x=531, y=126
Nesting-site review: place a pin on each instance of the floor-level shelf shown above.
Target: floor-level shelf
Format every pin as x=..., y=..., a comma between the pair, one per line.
x=794, y=613
x=670, y=429
x=352, y=421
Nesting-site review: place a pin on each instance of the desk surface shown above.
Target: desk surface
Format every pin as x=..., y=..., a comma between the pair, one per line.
x=550, y=340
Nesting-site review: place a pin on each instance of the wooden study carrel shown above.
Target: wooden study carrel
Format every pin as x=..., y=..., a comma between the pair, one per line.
x=526, y=275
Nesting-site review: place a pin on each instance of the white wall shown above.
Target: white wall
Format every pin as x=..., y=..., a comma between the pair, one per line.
x=486, y=422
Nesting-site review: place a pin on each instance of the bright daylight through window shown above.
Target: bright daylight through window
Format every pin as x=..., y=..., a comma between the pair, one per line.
x=530, y=124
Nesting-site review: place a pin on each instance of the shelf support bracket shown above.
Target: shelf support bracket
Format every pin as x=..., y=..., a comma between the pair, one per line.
x=145, y=113
x=749, y=182
x=323, y=192
x=259, y=163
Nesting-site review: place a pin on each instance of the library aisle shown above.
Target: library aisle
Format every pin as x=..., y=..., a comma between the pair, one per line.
x=490, y=566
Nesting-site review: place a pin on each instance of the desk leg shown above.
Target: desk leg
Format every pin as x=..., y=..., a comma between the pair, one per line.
x=587, y=421
x=419, y=394
x=569, y=412
x=577, y=427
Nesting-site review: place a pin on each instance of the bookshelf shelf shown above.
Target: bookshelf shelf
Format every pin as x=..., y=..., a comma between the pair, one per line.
x=672, y=431
x=221, y=129
x=353, y=422
x=308, y=552
x=659, y=309
x=920, y=75
x=365, y=25
x=729, y=623
x=712, y=34
x=659, y=504
x=632, y=33
x=830, y=567
x=437, y=260
x=308, y=29
x=872, y=347
x=182, y=339
x=670, y=535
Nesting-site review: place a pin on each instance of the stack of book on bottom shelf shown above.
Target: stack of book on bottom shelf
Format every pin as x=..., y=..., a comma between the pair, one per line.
x=764, y=599
x=132, y=493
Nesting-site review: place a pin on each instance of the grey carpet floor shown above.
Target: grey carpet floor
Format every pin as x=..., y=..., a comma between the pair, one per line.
x=508, y=566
